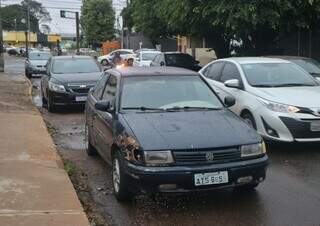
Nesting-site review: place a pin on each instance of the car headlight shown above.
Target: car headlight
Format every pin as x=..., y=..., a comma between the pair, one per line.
x=279, y=107
x=56, y=87
x=158, y=157
x=253, y=149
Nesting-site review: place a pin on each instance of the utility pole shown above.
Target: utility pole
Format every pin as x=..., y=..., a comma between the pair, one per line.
x=77, y=32
x=1, y=44
x=28, y=29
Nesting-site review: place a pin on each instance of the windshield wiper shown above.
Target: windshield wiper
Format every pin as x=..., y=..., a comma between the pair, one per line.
x=142, y=108
x=292, y=85
x=191, y=108
x=263, y=86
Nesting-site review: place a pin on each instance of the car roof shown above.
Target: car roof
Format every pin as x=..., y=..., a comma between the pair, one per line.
x=152, y=71
x=72, y=57
x=150, y=51
x=255, y=60
x=288, y=57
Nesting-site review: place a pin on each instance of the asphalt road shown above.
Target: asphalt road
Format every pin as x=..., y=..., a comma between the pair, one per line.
x=289, y=196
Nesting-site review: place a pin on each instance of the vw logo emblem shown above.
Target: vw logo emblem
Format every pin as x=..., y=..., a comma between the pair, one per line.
x=209, y=156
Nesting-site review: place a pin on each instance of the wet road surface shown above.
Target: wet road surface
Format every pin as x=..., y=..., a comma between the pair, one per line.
x=289, y=196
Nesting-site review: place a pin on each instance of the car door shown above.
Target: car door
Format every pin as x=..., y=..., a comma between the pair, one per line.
x=228, y=72
x=103, y=121
x=94, y=96
x=45, y=79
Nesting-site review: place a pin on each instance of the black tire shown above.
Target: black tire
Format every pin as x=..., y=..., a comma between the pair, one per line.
x=44, y=100
x=51, y=107
x=91, y=151
x=248, y=118
x=28, y=75
x=121, y=192
x=104, y=62
x=246, y=187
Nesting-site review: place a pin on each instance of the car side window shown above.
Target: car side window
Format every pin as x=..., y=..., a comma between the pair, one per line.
x=213, y=71
x=230, y=71
x=110, y=91
x=97, y=93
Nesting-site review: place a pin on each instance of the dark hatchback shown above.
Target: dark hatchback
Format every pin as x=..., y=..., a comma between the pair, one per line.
x=68, y=80
x=176, y=59
x=166, y=130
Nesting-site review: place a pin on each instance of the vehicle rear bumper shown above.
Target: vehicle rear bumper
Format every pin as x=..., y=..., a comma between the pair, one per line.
x=176, y=179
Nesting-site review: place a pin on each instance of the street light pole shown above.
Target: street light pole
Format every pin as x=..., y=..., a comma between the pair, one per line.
x=28, y=30
x=1, y=44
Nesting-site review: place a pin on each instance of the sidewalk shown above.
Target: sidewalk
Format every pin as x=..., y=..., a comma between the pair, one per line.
x=34, y=188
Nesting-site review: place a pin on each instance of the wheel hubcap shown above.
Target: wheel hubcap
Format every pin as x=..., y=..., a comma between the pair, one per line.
x=116, y=175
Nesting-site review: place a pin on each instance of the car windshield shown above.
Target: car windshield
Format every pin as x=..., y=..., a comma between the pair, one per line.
x=276, y=75
x=39, y=56
x=310, y=65
x=167, y=92
x=74, y=65
x=149, y=56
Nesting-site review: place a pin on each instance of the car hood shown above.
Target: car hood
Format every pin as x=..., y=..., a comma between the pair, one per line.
x=78, y=77
x=38, y=62
x=189, y=130
x=307, y=96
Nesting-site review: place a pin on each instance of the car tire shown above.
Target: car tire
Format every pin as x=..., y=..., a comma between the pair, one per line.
x=246, y=187
x=28, y=75
x=248, y=118
x=91, y=151
x=51, y=107
x=120, y=180
x=104, y=62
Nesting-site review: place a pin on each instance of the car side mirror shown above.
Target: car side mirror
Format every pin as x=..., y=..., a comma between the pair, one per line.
x=161, y=63
x=233, y=83
x=229, y=101
x=103, y=106
x=197, y=62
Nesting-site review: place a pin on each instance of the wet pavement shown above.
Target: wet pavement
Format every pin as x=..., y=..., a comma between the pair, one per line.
x=289, y=196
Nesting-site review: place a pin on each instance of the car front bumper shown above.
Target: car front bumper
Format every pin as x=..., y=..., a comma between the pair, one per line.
x=33, y=70
x=67, y=98
x=289, y=127
x=179, y=179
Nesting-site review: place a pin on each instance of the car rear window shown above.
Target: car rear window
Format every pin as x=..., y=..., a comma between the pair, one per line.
x=74, y=65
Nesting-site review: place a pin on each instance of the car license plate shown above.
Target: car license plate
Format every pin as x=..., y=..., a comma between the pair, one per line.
x=315, y=126
x=81, y=98
x=211, y=178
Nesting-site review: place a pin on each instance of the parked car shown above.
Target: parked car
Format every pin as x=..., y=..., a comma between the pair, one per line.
x=12, y=50
x=276, y=97
x=145, y=57
x=106, y=59
x=166, y=130
x=310, y=65
x=36, y=63
x=176, y=59
x=68, y=80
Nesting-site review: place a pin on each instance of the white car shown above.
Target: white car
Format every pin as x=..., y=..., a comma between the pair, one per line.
x=145, y=57
x=106, y=59
x=276, y=97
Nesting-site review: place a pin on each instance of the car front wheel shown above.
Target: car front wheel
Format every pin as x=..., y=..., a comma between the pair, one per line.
x=91, y=151
x=119, y=180
x=248, y=118
x=51, y=107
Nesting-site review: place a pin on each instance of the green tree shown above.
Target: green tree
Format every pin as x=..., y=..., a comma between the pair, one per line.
x=13, y=16
x=97, y=20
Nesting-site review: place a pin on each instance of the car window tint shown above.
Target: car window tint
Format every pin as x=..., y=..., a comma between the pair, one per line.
x=111, y=88
x=97, y=93
x=230, y=71
x=213, y=71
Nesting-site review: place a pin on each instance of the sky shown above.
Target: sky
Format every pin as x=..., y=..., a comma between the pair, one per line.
x=61, y=25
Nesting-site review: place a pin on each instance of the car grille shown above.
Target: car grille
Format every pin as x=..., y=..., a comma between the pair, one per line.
x=207, y=156
x=80, y=88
